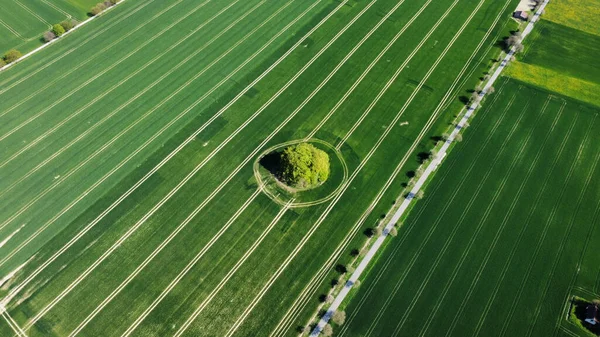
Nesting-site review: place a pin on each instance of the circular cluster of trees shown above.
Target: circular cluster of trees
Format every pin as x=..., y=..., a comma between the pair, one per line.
x=303, y=166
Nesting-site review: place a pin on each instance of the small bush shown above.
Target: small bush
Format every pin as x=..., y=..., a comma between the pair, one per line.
x=393, y=232
x=68, y=25
x=2, y=63
x=98, y=8
x=327, y=330
x=58, y=30
x=12, y=55
x=49, y=36
x=339, y=317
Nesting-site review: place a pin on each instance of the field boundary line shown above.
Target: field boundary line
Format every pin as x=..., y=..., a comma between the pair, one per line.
x=58, y=9
x=428, y=171
x=199, y=166
x=321, y=85
x=590, y=232
x=14, y=31
x=232, y=271
x=411, y=227
x=103, y=72
x=523, y=229
x=81, y=24
x=198, y=256
x=322, y=273
x=396, y=74
x=433, y=228
x=544, y=231
x=87, y=60
x=569, y=227
x=149, y=112
x=334, y=202
x=174, y=152
x=95, y=100
x=482, y=221
x=133, y=98
x=72, y=70
x=34, y=14
x=4, y=82
x=343, y=99
x=12, y=323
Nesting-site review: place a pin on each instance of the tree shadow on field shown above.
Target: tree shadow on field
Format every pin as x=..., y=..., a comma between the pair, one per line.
x=272, y=162
x=423, y=156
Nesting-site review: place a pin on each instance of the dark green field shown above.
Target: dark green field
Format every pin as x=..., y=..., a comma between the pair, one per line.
x=506, y=234
x=128, y=203
x=22, y=22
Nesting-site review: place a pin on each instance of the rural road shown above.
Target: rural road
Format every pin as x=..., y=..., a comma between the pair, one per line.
x=432, y=166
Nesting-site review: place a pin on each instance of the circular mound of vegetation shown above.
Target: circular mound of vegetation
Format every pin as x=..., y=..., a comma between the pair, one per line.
x=303, y=166
x=300, y=173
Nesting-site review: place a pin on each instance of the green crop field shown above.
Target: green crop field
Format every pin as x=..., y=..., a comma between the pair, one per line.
x=129, y=201
x=22, y=22
x=506, y=233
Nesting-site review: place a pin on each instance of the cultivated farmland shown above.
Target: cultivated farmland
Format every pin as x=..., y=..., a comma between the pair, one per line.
x=22, y=22
x=129, y=204
x=506, y=236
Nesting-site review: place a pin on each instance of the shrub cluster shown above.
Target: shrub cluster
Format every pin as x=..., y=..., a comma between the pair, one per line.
x=101, y=6
x=304, y=165
x=10, y=57
x=59, y=29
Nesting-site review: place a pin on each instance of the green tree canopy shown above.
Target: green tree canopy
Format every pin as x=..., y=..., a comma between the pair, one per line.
x=58, y=30
x=12, y=55
x=303, y=165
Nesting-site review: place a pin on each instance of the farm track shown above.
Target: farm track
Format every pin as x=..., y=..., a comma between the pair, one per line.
x=100, y=74
x=429, y=235
x=466, y=275
x=321, y=274
x=232, y=175
x=42, y=64
x=409, y=228
x=149, y=141
x=542, y=236
x=246, y=312
x=382, y=137
x=567, y=233
x=167, y=158
x=193, y=172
